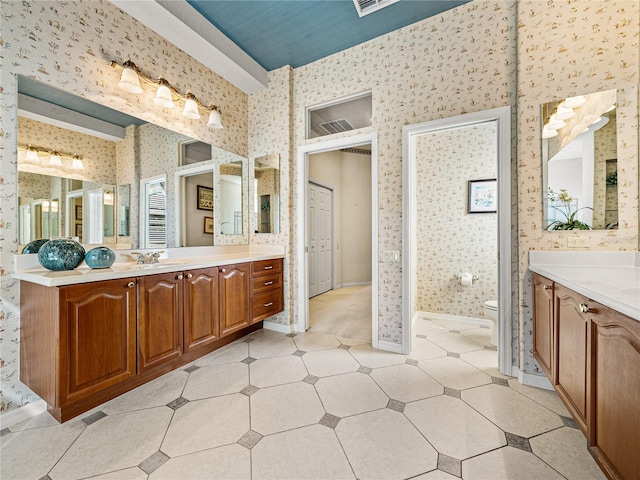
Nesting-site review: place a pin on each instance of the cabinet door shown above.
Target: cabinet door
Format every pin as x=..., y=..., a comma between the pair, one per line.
x=615, y=393
x=543, y=323
x=97, y=337
x=201, y=324
x=234, y=297
x=571, y=360
x=159, y=319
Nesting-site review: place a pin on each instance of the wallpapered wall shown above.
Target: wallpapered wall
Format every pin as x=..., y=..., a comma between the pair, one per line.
x=605, y=197
x=567, y=48
x=69, y=46
x=460, y=61
x=451, y=241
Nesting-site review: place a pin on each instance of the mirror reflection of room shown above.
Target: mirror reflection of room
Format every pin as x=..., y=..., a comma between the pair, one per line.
x=266, y=188
x=579, y=155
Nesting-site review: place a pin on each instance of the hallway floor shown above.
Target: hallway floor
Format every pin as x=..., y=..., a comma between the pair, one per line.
x=311, y=406
x=344, y=312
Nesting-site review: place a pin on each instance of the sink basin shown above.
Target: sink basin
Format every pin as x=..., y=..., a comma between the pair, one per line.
x=149, y=266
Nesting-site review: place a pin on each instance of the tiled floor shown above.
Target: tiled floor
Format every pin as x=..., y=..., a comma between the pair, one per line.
x=309, y=406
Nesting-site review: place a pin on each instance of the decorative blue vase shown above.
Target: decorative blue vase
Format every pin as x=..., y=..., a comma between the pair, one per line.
x=34, y=246
x=100, y=257
x=61, y=254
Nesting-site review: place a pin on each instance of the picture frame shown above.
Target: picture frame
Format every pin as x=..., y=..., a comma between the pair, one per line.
x=208, y=225
x=205, y=198
x=79, y=230
x=483, y=196
x=78, y=212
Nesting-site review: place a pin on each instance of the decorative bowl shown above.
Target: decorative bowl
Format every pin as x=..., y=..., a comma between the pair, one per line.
x=34, y=246
x=100, y=257
x=61, y=254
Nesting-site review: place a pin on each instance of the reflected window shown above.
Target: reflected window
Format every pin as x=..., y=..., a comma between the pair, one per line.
x=154, y=212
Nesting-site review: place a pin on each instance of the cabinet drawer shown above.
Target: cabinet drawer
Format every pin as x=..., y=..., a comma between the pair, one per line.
x=266, y=304
x=266, y=283
x=266, y=267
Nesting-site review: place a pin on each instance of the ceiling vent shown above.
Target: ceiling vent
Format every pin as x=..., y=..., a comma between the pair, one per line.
x=336, y=126
x=365, y=7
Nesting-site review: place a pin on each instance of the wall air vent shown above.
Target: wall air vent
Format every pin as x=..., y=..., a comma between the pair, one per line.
x=336, y=126
x=365, y=7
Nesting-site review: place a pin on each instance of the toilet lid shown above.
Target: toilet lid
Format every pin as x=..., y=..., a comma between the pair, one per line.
x=491, y=304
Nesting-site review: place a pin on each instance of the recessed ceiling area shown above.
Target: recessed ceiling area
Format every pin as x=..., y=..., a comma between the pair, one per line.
x=297, y=32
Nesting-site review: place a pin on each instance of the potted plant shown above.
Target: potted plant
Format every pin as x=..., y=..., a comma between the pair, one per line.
x=570, y=222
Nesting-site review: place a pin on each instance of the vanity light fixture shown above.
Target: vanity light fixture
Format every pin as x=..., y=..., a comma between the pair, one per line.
x=575, y=102
x=555, y=124
x=32, y=155
x=563, y=113
x=76, y=163
x=549, y=132
x=54, y=159
x=166, y=94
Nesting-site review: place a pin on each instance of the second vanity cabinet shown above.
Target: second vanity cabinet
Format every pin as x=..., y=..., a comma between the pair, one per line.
x=595, y=357
x=84, y=344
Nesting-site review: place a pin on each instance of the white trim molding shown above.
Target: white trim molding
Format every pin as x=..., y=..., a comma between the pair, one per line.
x=277, y=327
x=410, y=133
x=532, y=380
x=12, y=417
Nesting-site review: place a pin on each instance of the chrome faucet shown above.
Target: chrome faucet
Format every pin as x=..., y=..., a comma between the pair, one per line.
x=147, y=258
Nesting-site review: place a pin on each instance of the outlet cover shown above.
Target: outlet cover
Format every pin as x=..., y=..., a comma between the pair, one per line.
x=578, y=242
x=391, y=256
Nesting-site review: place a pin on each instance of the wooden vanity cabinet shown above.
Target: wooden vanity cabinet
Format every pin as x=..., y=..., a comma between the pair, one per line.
x=543, y=331
x=77, y=340
x=159, y=319
x=572, y=336
x=201, y=308
x=234, y=297
x=267, y=293
x=615, y=393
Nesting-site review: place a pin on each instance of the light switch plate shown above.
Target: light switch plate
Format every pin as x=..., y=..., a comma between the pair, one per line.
x=391, y=256
x=578, y=242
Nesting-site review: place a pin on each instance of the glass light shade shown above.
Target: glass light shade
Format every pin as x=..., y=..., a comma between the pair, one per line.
x=555, y=124
x=549, y=132
x=55, y=160
x=575, y=102
x=76, y=163
x=563, y=113
x=611, y=108
x=214, y=120
x=32, y=156
x=129, y=81
x=191, y=109
x=163, y=97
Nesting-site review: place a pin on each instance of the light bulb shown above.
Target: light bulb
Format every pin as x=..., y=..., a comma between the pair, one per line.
x=76, y=163
x=214, y=120
x=32, y=155
x=163, y=95
x=129, y=80
x=191, y=107
x=549, y=132
x=54, y=160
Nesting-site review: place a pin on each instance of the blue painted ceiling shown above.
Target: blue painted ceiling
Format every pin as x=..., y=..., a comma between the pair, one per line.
x=297, y=32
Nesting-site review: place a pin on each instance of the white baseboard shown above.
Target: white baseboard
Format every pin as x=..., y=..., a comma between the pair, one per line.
x=389, y=346
x=538, y=381
x=456, y=318
x=278, y=327
x=18, y=415
x=354, y=284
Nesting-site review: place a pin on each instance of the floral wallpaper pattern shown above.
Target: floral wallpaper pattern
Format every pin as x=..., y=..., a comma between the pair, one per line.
x=68, y=45
x=451, y=241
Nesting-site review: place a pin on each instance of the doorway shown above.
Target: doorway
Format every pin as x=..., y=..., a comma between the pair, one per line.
x=501, y=119
x=304, y=254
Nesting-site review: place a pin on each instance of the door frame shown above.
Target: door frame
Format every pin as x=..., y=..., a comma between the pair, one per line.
x=301, y=323
x=179, y=205
x=410, y=133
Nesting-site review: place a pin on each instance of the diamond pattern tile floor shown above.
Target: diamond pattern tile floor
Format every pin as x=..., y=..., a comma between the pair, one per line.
x=257, y=408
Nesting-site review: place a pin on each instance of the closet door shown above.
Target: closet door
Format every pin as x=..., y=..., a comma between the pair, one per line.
x=320, y=217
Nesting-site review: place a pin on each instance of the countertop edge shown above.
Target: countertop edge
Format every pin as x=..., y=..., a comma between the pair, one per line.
x=594, y=295
x=88, y=275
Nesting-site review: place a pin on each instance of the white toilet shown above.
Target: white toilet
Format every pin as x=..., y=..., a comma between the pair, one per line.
x=491, y=313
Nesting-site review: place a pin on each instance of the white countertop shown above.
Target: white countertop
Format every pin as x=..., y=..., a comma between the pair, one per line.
x=609, y=278
x=172, y=260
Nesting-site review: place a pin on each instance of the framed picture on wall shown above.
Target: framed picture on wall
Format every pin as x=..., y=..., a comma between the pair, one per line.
x=205, y=198
x=78, y=212
x=483, y=196
x=208, y=225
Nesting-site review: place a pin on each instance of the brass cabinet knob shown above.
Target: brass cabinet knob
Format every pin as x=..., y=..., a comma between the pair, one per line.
x=189, y=275
x=131, y=284
x=223, y=270
x=584, y=308
x=179, y=277
x=548, y=287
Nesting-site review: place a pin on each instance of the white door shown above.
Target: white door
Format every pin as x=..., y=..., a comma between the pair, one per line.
x=320, y=239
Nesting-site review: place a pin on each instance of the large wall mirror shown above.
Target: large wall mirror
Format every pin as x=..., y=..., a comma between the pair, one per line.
x=100, y=201
x=579, y=162
x=266, y=194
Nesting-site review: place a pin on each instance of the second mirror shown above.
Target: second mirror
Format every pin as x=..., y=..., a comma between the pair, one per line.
x=266, y=187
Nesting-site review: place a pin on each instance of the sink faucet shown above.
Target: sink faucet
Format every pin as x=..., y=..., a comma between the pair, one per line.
x=147, y=258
